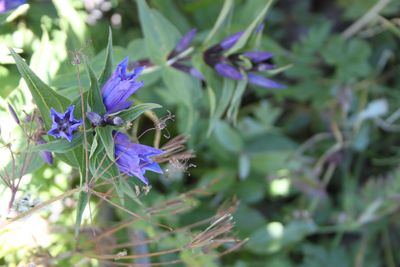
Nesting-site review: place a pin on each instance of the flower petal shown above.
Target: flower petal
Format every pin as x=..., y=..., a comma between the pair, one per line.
x=258, y=56
x=228, y=71
x=185, y=41
x=231, y=40
x=264, y=82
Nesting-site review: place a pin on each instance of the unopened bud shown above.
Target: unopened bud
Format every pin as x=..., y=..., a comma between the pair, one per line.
x=13, y=114
x=95, y=118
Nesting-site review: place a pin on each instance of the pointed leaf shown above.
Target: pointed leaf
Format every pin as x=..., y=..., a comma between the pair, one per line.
x=44, y=96
x=243, y=40
x=108, y=65
x=60, y=145
x=82, y=202
x=95, y=98
x=134, y=112
x=160, y=35
x=106, y=138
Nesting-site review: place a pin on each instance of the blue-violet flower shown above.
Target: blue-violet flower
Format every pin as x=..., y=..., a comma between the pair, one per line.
x=6, y=5
x=64, y=124
x=45, y=155
x=119, y=87
x=236, y=65
x=135, y=159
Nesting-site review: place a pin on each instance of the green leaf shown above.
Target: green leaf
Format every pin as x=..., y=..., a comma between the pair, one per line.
x=43, y=95
x=160, y=35
x=224, y=99
x=135, y=111
x=82, y=202
x=95, y=98
x=60, y=145
x=106, y=138
x=236, y=100
x=243, y=40
x=228, y=137
x=108, y=65
x=223, y=17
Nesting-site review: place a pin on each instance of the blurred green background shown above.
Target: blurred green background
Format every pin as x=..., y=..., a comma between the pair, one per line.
x=313, y=170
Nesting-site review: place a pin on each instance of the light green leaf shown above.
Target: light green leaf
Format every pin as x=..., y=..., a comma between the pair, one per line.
x=243, y=39
x=108, y=65
x=60, y=145
x=228, y=137
x=43, y=95
x=82, y=202
x=222, y=19
x=95, y=98
x=135, y=111
x=159, y=34
x=106, y=138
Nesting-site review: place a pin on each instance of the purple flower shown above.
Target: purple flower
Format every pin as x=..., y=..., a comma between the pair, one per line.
x=135, y=159
x=235, y=66
x=45, y=155
x=6, y=5
x=119, y=87
x=64, y=124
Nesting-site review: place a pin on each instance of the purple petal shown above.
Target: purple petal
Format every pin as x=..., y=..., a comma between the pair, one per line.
x=231, y=40
x=257, y=56
x=120, y=86
x=197, y=74
x=264, y=82
x=228, y=71
x=45, y=155
x=185, y=41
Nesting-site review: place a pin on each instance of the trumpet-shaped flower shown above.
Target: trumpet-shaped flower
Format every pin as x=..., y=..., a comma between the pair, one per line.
x=119, y=87
x=135, y=159
x=64, y=124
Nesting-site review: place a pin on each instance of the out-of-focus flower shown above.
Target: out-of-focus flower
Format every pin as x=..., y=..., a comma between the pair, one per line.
x=237, y=65
x=45, y=155
x=177, y=62
x=6, y=5
x=135, y=159
x=183, y=43
x=119, y=87
x=64, y=124
x=13, y=114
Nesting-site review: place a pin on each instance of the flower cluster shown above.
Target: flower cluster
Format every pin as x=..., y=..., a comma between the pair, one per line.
x=239, y=65
x=6, y=5
x=131, y=158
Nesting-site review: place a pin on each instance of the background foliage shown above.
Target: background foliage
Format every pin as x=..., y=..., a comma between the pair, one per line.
x=313, y=169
